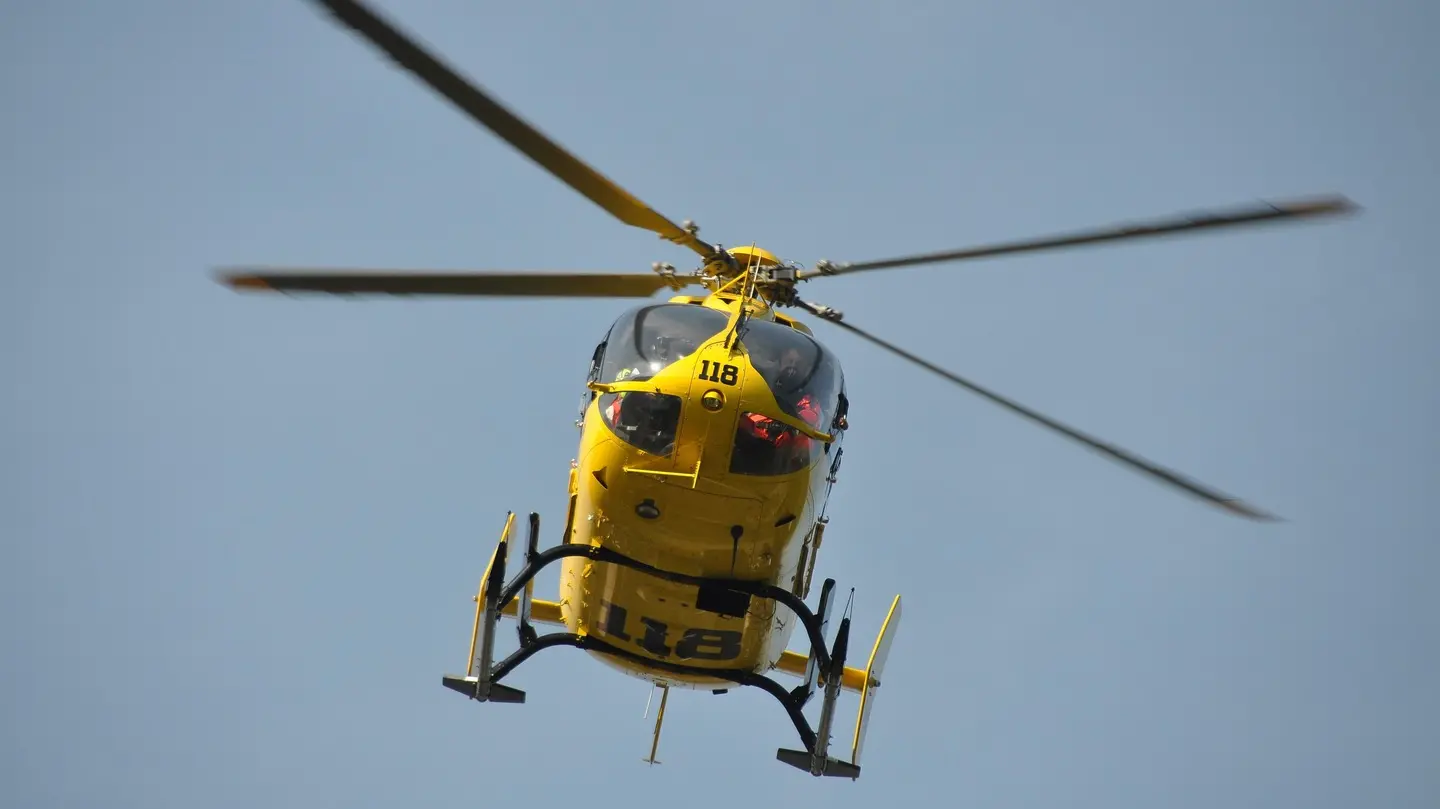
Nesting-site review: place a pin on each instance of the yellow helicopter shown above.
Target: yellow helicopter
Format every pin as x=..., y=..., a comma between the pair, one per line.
x=710, y=438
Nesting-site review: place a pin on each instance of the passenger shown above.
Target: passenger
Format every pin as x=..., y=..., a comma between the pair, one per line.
x=793, y=449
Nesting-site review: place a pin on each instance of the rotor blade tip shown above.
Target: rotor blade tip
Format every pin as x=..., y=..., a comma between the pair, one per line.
x=1335, y=203
x=1243, y=509
x=244, y=282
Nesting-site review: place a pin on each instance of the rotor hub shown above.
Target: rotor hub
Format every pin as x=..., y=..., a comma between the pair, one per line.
x=765, y=273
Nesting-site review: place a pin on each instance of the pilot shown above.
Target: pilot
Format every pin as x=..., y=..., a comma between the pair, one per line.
x=788, y=369
x=671, y=347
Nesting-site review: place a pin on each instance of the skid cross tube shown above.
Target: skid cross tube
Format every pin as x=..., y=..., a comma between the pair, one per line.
x=738, y=676
x=537, y=562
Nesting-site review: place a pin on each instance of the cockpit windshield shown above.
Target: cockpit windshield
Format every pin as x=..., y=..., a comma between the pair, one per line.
x=641, y=343
x=645, y=340
x=804, y=377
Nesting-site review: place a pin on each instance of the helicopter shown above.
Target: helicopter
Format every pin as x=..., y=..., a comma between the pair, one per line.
x=710, y=429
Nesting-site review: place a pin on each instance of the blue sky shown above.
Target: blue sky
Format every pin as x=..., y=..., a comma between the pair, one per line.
x=240, y=533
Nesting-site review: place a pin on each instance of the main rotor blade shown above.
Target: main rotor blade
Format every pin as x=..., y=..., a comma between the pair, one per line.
x=488, y=112
x=1238, y=215
x=402, y=282
x=1171, y=477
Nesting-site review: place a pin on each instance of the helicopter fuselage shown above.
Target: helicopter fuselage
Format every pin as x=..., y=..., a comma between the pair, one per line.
x=685, y=485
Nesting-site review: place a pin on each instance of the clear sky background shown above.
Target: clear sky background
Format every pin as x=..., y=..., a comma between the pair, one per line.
x=239, y=534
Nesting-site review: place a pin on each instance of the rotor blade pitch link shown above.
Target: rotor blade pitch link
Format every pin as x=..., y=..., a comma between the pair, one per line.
x=1239, y=215
x=485, y=110
x=1135, y=462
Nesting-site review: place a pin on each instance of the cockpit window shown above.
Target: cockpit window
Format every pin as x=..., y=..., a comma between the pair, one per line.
x=645, y=340
x=641, y=343
x=647, y=421
x=764, y=446
x=807, y=384
x=804, y=377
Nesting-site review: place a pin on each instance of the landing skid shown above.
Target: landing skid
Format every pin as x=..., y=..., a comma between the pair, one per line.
x=825, y=668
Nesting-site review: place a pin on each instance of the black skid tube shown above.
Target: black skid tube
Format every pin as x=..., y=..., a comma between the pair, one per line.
x=541, y=560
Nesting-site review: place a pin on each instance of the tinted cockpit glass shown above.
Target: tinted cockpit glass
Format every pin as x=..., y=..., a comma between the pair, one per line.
x=764, y=446
x=647, y=421
x=645, y=340
x=641, y=343
x=803, y=376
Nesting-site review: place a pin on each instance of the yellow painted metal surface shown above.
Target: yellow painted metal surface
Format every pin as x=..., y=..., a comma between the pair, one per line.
x=712, y=523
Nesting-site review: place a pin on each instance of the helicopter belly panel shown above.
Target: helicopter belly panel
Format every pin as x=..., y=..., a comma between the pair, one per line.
x=686, y=531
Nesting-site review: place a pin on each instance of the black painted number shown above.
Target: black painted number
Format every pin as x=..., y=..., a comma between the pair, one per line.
x=654, y=639
x=615, y=622
x=725, y=374
x=694, y=643
x=709, y=644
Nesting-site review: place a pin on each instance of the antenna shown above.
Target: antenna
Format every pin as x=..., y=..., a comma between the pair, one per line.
x=659, y=719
